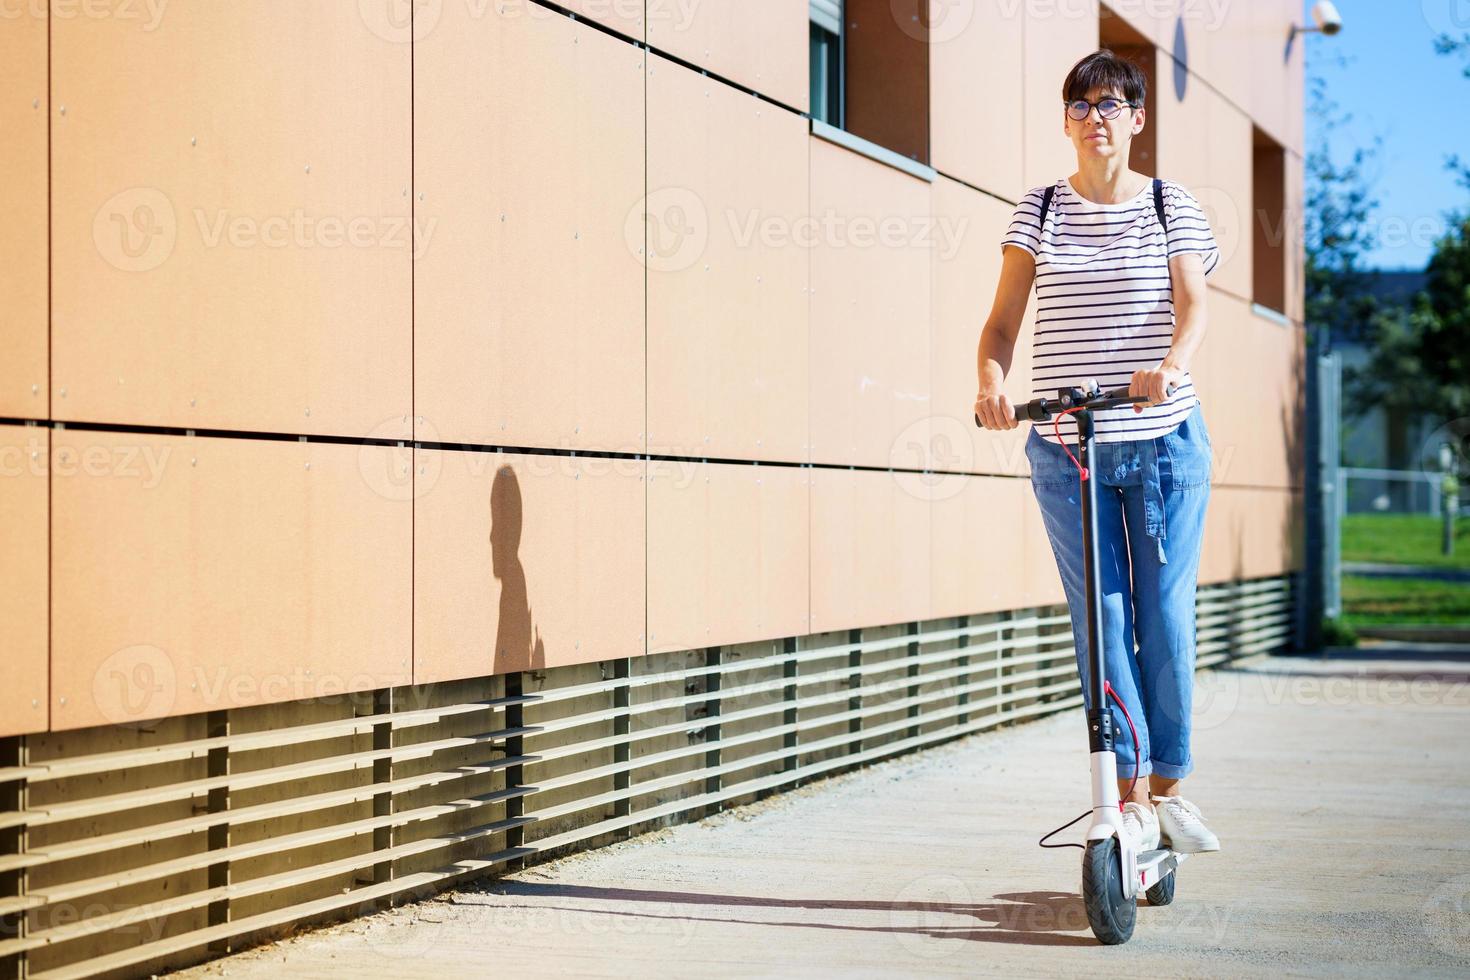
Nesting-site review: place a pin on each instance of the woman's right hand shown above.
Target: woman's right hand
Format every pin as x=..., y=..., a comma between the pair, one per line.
x=994, y=409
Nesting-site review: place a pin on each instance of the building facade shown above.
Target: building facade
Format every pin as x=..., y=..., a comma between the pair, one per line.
x=442, y=433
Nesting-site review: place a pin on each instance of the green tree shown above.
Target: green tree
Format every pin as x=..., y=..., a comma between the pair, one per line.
x=1421, y=362
x=1443, y=328
x=1456, y=46
x=1338, y=211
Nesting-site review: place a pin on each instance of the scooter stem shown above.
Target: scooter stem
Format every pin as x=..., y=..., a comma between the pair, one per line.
x=1106, y=816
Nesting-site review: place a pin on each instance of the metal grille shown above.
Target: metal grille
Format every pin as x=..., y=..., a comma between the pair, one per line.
x=131, y=849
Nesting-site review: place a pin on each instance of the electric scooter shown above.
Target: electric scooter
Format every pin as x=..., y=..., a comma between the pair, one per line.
x=1113, y=871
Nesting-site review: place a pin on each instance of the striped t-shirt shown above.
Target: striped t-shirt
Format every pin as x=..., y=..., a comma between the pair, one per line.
x=1104, y=306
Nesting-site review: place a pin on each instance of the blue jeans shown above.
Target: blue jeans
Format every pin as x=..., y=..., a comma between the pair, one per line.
x=1148, y=568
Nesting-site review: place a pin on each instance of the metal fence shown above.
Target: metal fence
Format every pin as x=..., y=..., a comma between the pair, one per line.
x=1366, y=490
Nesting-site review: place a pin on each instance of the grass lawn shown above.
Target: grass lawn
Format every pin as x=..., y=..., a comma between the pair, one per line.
x=1402, y=539
x=1383, y=601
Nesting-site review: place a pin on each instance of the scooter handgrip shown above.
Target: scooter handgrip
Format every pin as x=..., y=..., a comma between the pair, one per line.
x=1033, y=411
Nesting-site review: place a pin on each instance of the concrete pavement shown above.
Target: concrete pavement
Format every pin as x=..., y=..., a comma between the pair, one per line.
x=1339, y=788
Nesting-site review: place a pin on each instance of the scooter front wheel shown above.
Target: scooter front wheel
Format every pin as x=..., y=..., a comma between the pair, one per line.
x=1109, y=912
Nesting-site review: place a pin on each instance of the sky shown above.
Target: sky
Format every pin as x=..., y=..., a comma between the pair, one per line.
x=1382, y=68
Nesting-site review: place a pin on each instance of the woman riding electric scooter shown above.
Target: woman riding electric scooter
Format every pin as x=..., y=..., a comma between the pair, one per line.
x=1119, y=263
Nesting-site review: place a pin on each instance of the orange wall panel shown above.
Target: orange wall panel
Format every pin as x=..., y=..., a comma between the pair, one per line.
x=1043, y=583
x=525, y=561
x=1251, y=532
x=1239, y=51
x=1214, y=43
x=870, y=550
x=966, y=266
x=1010, y=457
x=23, y=235
x=727, y=553
x=765, y=49
x=24, y=558
x=1258, y=440
x=230, y=231
x=1180, y=113
x=977, y=540
x=529, y=286
x=194, y=573
x=1277, y=73
x=975, y=57
x=1227, y=196
x=728, y=308
x=870, y=323
x=1053, y=43
x=623, y=16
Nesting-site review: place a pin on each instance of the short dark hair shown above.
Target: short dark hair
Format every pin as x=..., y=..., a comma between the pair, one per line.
x=1105, y=70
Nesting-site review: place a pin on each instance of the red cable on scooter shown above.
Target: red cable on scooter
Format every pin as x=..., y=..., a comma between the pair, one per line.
x=1057, y=427
x=1107, y=686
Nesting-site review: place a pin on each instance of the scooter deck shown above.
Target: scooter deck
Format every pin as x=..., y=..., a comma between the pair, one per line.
x=1155, y=864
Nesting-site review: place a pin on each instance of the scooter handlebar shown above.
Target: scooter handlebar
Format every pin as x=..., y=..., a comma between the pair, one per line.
x=1041, y=409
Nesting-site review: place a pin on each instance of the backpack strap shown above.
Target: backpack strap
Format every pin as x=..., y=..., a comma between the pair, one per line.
x=1158, y=204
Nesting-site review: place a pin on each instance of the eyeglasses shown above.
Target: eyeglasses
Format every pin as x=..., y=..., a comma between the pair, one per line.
x=1080, y=109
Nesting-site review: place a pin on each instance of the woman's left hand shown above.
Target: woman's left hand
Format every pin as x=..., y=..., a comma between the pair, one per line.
x=1153, y=383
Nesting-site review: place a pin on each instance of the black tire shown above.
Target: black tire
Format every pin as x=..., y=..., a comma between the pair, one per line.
x=1161, y=892
x=1110, y=914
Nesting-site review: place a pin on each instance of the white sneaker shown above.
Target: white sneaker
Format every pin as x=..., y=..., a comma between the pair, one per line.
x=1140, y=821
x=1183, y=826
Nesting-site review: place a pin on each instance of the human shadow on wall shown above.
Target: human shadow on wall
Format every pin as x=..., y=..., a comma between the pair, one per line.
x=518, y=643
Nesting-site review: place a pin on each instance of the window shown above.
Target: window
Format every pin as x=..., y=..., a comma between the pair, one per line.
x=870, y=73
x=1268, y=229
x=826, y=61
